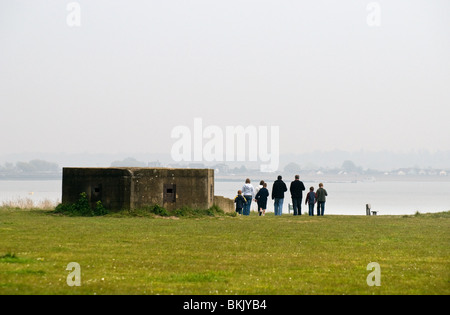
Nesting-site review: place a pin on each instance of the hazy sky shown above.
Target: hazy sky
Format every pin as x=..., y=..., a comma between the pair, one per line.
x=134, y=70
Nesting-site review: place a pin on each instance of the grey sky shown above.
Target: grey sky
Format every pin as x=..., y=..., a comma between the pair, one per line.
x=134, y=70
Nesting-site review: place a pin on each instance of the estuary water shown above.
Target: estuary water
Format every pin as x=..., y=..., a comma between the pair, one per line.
x=386, y=197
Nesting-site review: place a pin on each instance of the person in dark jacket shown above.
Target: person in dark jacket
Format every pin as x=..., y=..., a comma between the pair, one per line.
x=261, y=199
x=296, y=190
x=311, y=200
x=321, y=195
x=240, y=201
x=278, y=190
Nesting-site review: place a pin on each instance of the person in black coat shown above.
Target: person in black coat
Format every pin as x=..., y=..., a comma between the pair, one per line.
x=278, y=190
x=261, y=198
x=297, y=187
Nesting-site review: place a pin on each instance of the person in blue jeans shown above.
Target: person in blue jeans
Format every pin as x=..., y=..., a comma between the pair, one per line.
x=297, y=187
x=278, y=190
x=311, y=200
x=249, y=193
x=278, y=206
x=321, y=194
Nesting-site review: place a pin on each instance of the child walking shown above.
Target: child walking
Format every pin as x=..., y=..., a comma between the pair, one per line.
x=240, y=201
x=311, y=200
x=261, y=199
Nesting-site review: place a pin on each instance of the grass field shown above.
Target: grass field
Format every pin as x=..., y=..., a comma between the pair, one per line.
x=267, y=255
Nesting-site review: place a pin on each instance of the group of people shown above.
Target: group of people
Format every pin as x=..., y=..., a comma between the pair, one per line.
x=261, y=194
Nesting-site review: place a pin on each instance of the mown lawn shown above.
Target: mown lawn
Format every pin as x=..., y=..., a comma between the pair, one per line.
x=223, y=254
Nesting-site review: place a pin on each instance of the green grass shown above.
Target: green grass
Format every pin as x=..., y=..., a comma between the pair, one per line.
x=219, y=254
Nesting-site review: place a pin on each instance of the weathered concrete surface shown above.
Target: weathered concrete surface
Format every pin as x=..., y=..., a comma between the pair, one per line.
x=226, y=204
x=110, y=185
x=173, y=188
x=134, y=187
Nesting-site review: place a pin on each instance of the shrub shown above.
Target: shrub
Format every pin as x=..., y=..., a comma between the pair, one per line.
x=64, y=208
x=81, y=208
x=158, y=210
x=190, y=212
x=215, y=210
x=100, y=209
x=184, y=212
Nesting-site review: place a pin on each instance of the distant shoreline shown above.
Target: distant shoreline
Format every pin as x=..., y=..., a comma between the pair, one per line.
x=32, y=177
x=335, y=178
x=269, y=177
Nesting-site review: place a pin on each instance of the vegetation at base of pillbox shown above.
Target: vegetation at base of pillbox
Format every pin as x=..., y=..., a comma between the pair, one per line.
x=81, y=208
x=158, y=211
x=100, y=209
x=191, y=212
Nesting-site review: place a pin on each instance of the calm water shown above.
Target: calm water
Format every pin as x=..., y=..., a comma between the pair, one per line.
x=389, y=197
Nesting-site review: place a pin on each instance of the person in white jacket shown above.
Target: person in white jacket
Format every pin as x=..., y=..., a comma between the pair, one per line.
x=249, y=194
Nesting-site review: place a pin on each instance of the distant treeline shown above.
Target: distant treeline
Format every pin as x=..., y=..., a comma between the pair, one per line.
x=32, y=168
